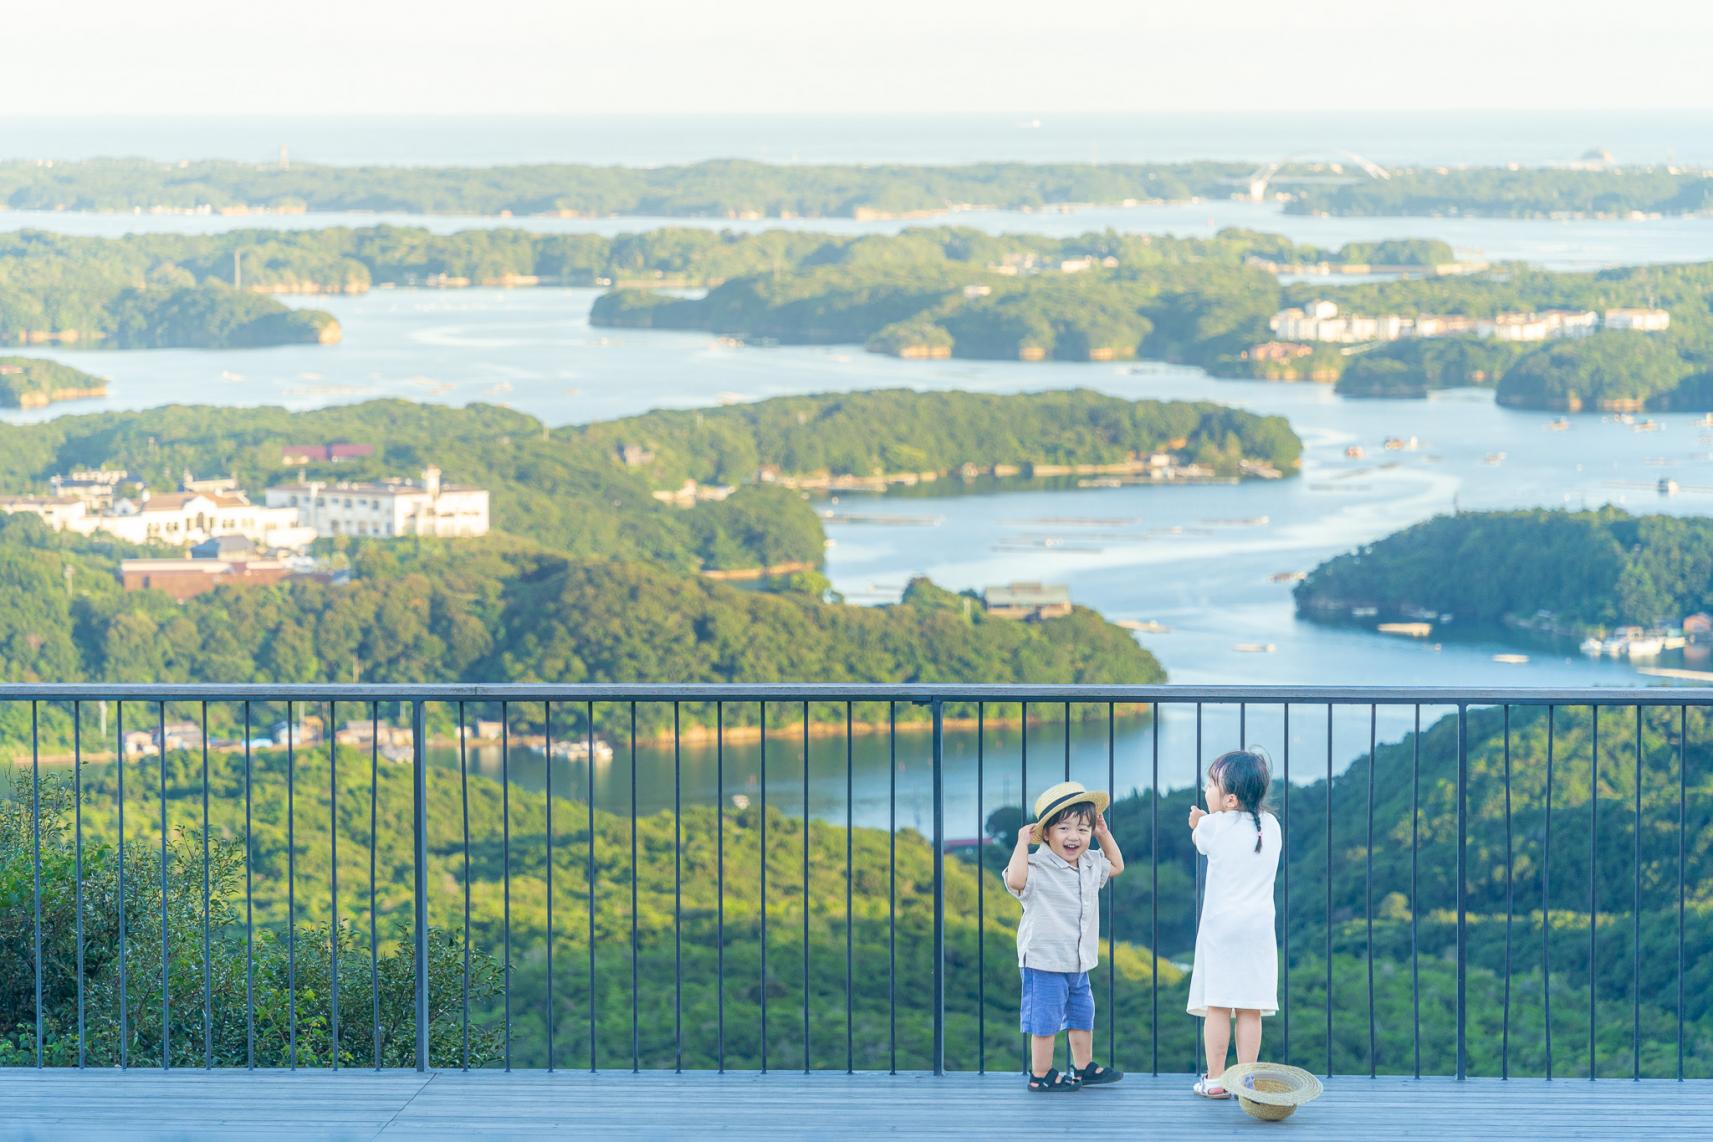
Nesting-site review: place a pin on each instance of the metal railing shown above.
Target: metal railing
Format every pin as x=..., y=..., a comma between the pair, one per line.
x=451, y=935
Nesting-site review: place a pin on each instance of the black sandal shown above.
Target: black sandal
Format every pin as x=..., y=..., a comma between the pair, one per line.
x=1096, y=1075
x=1052, y=1083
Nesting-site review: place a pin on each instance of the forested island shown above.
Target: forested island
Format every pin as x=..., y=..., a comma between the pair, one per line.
x=1579, y=572
x=735, y=188
x=1387, y=917
x=1592, y=190
x=728, y=188
x=137, y=293
x=879, y=436
x=31, y=382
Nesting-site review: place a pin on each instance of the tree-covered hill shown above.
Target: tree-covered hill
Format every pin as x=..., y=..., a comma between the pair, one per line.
x=1595, y=569
x=895, y=431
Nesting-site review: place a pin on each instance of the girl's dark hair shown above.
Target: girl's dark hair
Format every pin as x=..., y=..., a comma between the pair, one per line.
x=1245, y=774
x=1082, y=810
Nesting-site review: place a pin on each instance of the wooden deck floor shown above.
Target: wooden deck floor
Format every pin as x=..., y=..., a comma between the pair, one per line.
x=143, y=1104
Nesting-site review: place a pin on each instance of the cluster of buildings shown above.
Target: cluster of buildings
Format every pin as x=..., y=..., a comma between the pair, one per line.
x=228, y=538
x=1322, y=321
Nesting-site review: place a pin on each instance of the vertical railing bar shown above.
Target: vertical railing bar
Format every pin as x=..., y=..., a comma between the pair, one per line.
x=333, y=878
x=374, y=847
x=1546, y=896
x=291, y=878
x=1111, y=896
x=939, y=980
x=677, y=894
x=1682, y=786
x=1285, y=870
x=891, y=888
x=464, y=808
x=1067, y=714
x=1462, y=900
x=1636, y=920
x=805, y=887
x=77, y=867
x=1023, y=793
x=1415, y=893
x=207, y=931
x=761, y=836
x=1368, y=883
x=1196, y=863
x=36, y=865
x=981, y=890
x=419, y=903
x=635, y=1027
x=1154, y=893
x=850, y=881
x=547, y=755
x=506, y=870
x=589, y=878
x=720, y=882
x=1510, y=906
x=1593, y=874
x=124, y=941
x=249, y=905
x=1329, y=890
x=166, y=979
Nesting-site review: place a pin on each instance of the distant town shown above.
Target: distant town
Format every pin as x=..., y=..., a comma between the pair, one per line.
x=1323, y=321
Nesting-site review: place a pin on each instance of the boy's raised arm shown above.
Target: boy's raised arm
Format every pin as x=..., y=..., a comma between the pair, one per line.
x=1108, y=845
x=1017, y=871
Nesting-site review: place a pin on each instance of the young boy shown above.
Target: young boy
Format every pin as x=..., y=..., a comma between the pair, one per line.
x=1058, y=939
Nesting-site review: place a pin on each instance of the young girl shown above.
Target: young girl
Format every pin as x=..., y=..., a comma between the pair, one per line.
x=1237, y=960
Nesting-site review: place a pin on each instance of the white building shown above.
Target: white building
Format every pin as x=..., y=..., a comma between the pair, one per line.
x=1322, y=321
x=176, y=518
x=1639, y=320
x=388, y=508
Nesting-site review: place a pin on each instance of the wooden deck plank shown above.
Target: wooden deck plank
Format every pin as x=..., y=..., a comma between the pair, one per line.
x=358, y=1104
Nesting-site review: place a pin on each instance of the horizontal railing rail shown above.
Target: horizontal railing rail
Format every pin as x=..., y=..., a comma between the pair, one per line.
x=743, y=891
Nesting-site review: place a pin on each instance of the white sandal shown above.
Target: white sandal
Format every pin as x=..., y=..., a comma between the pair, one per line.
x=1210, y=1088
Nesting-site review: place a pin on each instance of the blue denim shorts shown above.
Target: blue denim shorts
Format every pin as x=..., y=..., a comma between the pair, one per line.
x=1055, y=1001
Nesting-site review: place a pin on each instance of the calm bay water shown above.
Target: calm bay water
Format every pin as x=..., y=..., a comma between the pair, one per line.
x=1198, y=560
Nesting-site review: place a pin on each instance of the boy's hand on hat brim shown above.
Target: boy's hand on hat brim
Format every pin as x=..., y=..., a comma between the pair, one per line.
x=1026, y=835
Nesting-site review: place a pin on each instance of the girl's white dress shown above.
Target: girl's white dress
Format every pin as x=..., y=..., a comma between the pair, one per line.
x=1237, y=953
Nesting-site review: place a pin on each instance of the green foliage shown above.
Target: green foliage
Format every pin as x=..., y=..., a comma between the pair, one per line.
x=1506, y=192
x=26, y=382
x=1604, y=370
x=1417, y=366
x=1595, y=569
x=894, y=430
x=720, y=188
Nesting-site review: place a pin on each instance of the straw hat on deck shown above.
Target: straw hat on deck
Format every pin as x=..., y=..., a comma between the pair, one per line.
x=1270, y=1091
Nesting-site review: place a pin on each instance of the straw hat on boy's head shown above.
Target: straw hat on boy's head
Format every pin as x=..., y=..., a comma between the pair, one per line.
x=1270, y=1091
x=1063, y=796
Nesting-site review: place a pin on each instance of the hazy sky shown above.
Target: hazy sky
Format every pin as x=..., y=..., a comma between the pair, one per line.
x=313, y=57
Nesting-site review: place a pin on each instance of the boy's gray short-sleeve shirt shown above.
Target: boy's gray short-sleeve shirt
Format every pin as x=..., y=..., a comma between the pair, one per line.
x=1060, y=928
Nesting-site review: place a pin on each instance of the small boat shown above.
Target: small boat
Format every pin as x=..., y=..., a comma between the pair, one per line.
x=1287, y=576
x=1146, y=626
x=1648, y=647
x=1364, y=612
x=1593, y=647
x=229, y=375
x=1668, y=486
x=1511, y=659
x=1401, y=444
x=1560, y=425
x=1255, y=648
x=1355, y=452
x=1494, y=458
x=1647, y=426
x=1410, y=630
